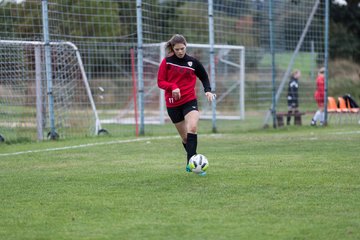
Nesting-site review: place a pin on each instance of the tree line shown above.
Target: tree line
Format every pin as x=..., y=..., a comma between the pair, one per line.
x=83, y=22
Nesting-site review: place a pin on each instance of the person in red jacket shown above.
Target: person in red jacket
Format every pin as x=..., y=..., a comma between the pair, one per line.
x=177, y=77
x=319, y=98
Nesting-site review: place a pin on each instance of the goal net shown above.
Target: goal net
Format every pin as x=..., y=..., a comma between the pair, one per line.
x=229, y=78
x=229, y=83
x=24, y=103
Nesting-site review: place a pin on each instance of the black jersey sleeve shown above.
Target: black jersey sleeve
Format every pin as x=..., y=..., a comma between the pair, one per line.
x=202, y=75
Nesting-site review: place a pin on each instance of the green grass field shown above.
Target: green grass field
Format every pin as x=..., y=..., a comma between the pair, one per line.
x=303, y=61
x=290, y=183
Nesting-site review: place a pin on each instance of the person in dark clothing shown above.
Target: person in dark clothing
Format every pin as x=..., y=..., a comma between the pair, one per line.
x=177, y=77
x=350, y=101
x=293, y=95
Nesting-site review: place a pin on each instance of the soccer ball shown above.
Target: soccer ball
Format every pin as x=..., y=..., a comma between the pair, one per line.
x=198, y=163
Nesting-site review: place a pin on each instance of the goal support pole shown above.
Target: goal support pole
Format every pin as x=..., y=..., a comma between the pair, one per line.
x=53, y=135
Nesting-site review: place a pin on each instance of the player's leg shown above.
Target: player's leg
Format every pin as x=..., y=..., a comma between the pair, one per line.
x=315, y=118
x=322, y=117
x=288, y=117
x=185, y=119
x=191, y=120
x=297, y=117
x=182, y=130
x=318, y=114
x=177, y=117
x=187, y=130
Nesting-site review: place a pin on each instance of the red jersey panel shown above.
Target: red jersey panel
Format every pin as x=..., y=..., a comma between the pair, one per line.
x=181, y=73
x=320, y=89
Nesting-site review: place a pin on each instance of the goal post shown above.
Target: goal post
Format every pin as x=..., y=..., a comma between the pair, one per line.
x=24, y=113
x=229, y=77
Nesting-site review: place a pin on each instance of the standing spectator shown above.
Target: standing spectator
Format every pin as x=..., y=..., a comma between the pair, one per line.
x=293, y=95
x=177, y=76
x=319, y=98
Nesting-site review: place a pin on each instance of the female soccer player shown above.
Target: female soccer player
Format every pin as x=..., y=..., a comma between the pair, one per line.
x=319, y=98
x=177, y=76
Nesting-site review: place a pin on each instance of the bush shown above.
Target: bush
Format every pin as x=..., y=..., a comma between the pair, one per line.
x=344, y=77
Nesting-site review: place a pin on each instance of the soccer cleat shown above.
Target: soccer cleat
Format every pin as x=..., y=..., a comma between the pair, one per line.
x=202, y=174
x=313, y=123
x=188, y=169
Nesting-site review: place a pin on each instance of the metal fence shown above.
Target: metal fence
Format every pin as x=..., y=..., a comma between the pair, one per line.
x=277, y=36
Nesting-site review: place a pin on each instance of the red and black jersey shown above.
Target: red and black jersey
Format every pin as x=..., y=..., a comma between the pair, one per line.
x=181, y=73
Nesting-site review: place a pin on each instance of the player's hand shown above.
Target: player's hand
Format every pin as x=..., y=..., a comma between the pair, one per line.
x=176, y=94
x=210, y=96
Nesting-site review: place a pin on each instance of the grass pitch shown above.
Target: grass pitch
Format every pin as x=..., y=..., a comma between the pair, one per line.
x=291, y=183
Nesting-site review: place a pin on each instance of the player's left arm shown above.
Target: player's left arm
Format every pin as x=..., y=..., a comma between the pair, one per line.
x=201, y=73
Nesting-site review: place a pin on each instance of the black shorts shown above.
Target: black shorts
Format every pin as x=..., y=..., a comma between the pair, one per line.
x=177, y=114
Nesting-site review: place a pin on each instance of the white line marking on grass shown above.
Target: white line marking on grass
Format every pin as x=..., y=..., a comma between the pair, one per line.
x=128, y=141
x=343, y=133
x=87, y=145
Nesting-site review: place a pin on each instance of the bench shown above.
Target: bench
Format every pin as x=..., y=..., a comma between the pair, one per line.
x=280, y=118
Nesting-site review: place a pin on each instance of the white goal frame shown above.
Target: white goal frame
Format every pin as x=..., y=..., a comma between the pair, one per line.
x=38, y=73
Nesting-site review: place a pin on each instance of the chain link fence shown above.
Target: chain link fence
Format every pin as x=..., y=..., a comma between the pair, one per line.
x=106, y=34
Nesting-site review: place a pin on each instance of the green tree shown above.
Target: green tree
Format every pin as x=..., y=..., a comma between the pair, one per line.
x=344, y=39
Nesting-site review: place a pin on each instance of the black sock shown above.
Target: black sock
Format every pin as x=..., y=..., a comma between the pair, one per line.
x=184, y=144
x=288, y=119
x=191, y=145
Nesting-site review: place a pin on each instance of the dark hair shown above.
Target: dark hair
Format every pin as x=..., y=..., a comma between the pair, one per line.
x=177, y=38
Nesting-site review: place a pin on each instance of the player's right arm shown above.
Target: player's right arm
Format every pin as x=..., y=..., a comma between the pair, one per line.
x=163, y=81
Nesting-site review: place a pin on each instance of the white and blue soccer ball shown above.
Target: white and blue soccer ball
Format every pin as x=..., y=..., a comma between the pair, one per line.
x=198, y=163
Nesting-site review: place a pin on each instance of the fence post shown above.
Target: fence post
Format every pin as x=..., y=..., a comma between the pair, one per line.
x=212, y=61
x=45, y=18
x=140, y=64
x=291, y=63
x=273, y=108
x=326, y=38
